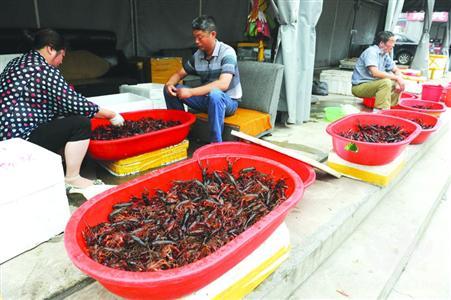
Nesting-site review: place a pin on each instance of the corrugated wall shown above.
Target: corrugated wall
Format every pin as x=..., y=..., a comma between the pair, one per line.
x=165, y=24
x=334, y=29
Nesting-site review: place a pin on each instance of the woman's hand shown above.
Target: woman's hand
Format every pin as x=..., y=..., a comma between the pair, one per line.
x=171, y=89
x=117, y=120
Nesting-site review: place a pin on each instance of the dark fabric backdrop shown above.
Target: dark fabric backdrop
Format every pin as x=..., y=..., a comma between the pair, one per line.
x=111, y=15
x=165, y=24
x=17, y=13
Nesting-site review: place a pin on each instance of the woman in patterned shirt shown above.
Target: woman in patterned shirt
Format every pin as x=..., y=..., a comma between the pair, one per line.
x=38, y=105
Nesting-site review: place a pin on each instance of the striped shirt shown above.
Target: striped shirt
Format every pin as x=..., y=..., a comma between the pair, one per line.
x=223, y=60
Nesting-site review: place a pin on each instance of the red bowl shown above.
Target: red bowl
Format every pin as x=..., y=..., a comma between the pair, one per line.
x=424, y=118
x=304, y=170
x=365, y=153
x=143, y=143
x=175, y=283
x=437, y=107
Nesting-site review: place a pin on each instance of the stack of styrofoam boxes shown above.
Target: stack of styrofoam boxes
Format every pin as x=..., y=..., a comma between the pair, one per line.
x=33, y=202
x=338, y=81
x=123, y=102
x=152, y=91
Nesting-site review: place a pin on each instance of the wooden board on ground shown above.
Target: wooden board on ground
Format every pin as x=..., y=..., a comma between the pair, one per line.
x=292, y=153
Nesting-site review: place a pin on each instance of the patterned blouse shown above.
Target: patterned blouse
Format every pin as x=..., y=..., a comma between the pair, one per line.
x=33, y=93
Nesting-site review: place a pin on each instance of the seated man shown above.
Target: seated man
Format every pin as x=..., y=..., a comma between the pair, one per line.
x=216, y=64
x=376, y=75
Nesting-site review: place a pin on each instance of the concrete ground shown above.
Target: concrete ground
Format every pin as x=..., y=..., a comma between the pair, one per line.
x=340, y=231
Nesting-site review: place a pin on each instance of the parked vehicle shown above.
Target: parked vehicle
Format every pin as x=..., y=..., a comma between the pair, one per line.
x=404, y=49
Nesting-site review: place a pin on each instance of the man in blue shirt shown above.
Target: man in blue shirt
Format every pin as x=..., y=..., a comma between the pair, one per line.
x=376, y=75
x=216, y=64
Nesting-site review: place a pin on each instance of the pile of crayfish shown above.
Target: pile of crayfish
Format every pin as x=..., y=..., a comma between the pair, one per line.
x=421, y=123
x=131, y=128
x=191, y=220
x=419, y=106
x=376, y=133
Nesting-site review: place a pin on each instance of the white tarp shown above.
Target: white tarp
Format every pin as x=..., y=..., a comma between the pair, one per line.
x=296, y=50
x=447, y=40
x=394, y=9
x=421, y=58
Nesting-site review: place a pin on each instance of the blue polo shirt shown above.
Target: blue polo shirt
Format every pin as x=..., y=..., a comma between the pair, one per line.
x=223, y=60
x=372, y=56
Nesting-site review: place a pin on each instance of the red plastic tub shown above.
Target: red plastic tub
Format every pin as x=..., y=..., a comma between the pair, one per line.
x=431, y=92
x=364, y=153
x=138, y=144
x=447, y=96
x=424, y=118
x=175, y=283
x=304, y=170
x=407, y=95
x=437, y=107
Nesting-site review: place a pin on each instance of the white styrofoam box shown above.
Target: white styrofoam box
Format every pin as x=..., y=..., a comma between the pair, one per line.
x=413, y=86
x=123, y=102
x=33, y=202
x=5, y=59
x=260, y=263
x=338, y=81
x=152, y=91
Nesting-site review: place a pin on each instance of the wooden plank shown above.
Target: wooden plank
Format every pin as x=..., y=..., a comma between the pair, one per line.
x=289, y=152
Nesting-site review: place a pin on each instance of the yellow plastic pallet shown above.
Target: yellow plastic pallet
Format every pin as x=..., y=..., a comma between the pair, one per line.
x=377, y=175
x=146, y=161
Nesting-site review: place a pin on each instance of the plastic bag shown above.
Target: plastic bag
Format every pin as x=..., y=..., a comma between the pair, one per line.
x=320, y=88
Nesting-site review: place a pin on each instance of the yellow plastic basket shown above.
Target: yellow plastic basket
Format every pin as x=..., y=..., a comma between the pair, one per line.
x=146, y=161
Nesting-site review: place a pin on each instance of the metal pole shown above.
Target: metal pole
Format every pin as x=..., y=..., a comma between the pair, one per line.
x=353, y=30
x=133, y=20
x=36, y=13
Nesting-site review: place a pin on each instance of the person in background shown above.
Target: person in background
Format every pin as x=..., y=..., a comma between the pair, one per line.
x=216, y=64
x=37, y=104
x=376, y=75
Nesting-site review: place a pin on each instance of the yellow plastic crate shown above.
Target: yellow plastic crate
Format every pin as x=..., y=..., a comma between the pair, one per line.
x=161, y=69
x=437, y=66
x=146, y=161
x=249, y=121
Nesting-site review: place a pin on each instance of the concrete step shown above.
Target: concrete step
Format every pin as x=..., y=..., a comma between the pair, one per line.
x=321, y=222
x=369, y=263
x=41, y=273
x=428, y=273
